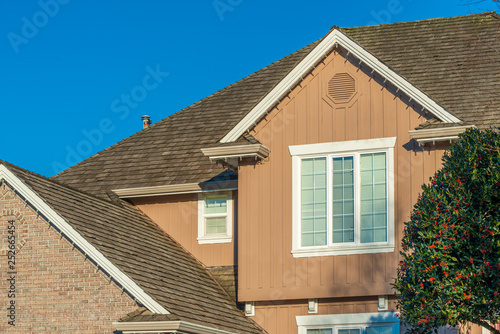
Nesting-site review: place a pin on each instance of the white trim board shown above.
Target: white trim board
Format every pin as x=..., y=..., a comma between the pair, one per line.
x=343, y=146
x=92, y=252
x=164, y=326
x=175, y=189
x=346, y=319
x=335, y=37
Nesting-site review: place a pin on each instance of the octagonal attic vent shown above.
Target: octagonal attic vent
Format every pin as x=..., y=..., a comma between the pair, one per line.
x=341, y=87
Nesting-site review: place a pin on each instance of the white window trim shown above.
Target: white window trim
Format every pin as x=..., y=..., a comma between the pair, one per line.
x=215, y=239
x=305, y=322
x=327, y=149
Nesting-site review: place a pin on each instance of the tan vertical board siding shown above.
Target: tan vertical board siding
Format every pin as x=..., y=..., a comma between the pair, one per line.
x=177, y=215
x=308, y=116
x=57, y=290
x=280, y=318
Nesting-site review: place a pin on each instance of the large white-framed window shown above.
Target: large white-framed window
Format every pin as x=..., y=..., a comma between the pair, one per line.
x=343, y=197
x=215, y=217
x=360, y=323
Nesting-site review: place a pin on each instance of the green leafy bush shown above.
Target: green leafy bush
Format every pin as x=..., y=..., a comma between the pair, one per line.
x=450, y=272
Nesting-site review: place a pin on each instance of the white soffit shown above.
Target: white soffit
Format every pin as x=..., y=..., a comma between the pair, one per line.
x=80, y=241
x=323, y=48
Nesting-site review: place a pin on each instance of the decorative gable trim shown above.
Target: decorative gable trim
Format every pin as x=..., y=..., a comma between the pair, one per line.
x=66, y=229
x=335, y=38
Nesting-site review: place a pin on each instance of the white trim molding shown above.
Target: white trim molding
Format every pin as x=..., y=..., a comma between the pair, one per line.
x=343, y=146
x=232, y=155
x=237, y=151
x=166, y=326
x=203, y=238
x=335, y=37
x=360, y=320
x=330, y=150
x=438, y=134
x=120, y=277
x=176, y=189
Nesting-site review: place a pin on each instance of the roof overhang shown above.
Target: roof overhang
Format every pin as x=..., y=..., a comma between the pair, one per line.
x=333, y=39
x=231, y=155
x=177, y=189
x=438, y=134
x=166, y=326
x=75, y=237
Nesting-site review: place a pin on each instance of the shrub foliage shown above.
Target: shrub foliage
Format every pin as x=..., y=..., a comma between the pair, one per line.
x=450, y=271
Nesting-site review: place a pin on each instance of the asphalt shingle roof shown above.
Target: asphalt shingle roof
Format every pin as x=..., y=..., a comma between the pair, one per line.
x=141, y=250
x=455, y=61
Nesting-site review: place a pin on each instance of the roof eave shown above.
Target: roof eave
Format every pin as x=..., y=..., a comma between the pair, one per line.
x=162, y=326
x=177, y=189
x=438, y=134
x=233, y=154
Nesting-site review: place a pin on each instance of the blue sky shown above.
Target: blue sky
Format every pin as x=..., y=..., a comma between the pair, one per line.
x=76, y=76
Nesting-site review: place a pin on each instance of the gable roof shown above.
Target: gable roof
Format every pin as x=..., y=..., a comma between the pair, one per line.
x=167, y=279
x=452, y=64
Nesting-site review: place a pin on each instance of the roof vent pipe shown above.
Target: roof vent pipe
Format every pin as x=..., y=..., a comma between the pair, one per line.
x=146, y=121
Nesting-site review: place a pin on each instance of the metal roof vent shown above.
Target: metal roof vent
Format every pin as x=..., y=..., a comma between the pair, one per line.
x=342, y=87
x=146, y=121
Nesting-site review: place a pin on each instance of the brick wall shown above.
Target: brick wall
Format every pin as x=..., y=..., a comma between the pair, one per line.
x=57, y=289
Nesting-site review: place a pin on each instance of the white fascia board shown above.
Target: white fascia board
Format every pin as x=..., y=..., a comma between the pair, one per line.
x=333, y=38
x=162, y=326
x=80, y=241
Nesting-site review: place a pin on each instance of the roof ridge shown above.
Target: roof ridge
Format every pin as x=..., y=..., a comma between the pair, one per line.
x=185, y=109
x=8, y=164
x=492, y=13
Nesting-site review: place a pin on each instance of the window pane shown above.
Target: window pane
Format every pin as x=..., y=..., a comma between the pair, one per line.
x=379, y=330
x=349, y=331
x=215, y=205
x=373, y=197
x=320, y=331
x=343, y=200
x=379, y=161
x=215, y=225
x=313, y=195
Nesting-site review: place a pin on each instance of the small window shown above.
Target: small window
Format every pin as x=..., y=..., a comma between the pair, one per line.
x=215, y=218
x=343, y=198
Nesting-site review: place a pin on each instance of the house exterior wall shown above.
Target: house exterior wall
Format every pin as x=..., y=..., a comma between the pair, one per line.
x=177, y=215
x=267, y=269
x=56, y=289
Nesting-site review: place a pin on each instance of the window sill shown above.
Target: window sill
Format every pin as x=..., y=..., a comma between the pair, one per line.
x=347, y=250
x=215, y=240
